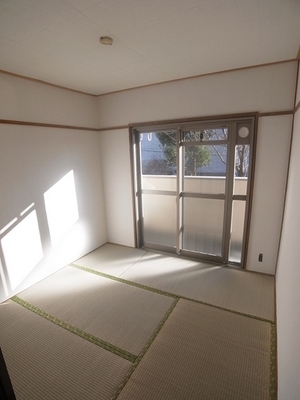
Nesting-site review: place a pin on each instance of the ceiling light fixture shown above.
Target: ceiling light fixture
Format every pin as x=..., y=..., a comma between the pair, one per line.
x=106, y=40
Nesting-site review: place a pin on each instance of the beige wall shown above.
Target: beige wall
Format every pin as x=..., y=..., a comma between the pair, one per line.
x=30, y=101
x=264, y=89
x=288, y=281
x=117, y=186
x=32, y=161
x=273, y=144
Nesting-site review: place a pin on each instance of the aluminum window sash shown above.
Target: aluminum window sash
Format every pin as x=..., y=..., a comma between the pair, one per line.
x=213, y=196
x=159, y=192
x=180, y=178
x=204, y=142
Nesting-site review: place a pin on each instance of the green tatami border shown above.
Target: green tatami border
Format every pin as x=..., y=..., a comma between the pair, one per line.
x=273, y=364
x=164, y=293
x=144, y=350
x=273, y=348
x=135, y=359
x=78, y=332
x=121, y=280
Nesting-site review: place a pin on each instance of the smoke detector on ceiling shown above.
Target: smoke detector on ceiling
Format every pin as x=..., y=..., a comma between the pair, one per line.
x=106, y=40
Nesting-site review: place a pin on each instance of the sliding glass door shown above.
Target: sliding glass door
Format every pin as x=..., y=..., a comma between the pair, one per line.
x=192, y=188
x=158, y=182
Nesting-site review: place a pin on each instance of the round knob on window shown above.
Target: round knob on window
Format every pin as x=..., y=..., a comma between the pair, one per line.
x=243, y=132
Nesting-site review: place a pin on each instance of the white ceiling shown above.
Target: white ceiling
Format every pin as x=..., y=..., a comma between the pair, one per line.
x=57, y=41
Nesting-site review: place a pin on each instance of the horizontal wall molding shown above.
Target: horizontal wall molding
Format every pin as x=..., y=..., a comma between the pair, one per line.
x=194, y=119
x=113, y=128
x=150, y=123
x=46, y=125
x=211, y=117
x=60, y=126
x=275, y=113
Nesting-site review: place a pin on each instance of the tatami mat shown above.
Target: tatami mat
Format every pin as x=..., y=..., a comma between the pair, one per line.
x=46, y=362
x=204, y=353
x=112, y=327
x=234, y=289
x=230, y=288
x=120, y=314
x=112, y=259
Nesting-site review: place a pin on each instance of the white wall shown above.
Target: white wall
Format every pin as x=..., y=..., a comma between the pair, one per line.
x=263, y=89
x=273, y=145
x=30, y=101
x=288, y=281
x=32, y=161
x=117, y=186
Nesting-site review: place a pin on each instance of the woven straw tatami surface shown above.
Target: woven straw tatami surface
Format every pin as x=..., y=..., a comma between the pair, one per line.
x=46, y=362
x=204, y=353
x=120, y=314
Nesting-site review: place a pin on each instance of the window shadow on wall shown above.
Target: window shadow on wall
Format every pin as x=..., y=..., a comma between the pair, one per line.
x=21, y=247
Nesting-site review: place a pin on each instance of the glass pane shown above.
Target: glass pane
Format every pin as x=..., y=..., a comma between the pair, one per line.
x=206, y=135
x=158, y=160
x=203, y=225
x=160, y=219
x=237, y=229
x=158, y=153
x=241, y=169
x=205, y=169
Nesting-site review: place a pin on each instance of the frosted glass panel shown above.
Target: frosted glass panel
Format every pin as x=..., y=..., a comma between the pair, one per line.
x=203, y=225
x=159, y=182
x=240, y=186
x=204, y=184
x=237, y=229
x=160, y=219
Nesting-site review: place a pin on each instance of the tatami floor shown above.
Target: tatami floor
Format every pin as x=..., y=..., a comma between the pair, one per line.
x=128, y=323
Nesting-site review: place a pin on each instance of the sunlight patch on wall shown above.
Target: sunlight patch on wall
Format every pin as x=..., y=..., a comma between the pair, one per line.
x=3, y=280
x=26, y=209
x=8, y=226
x=22, y=249
x=61, y=207
x=71, y=248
